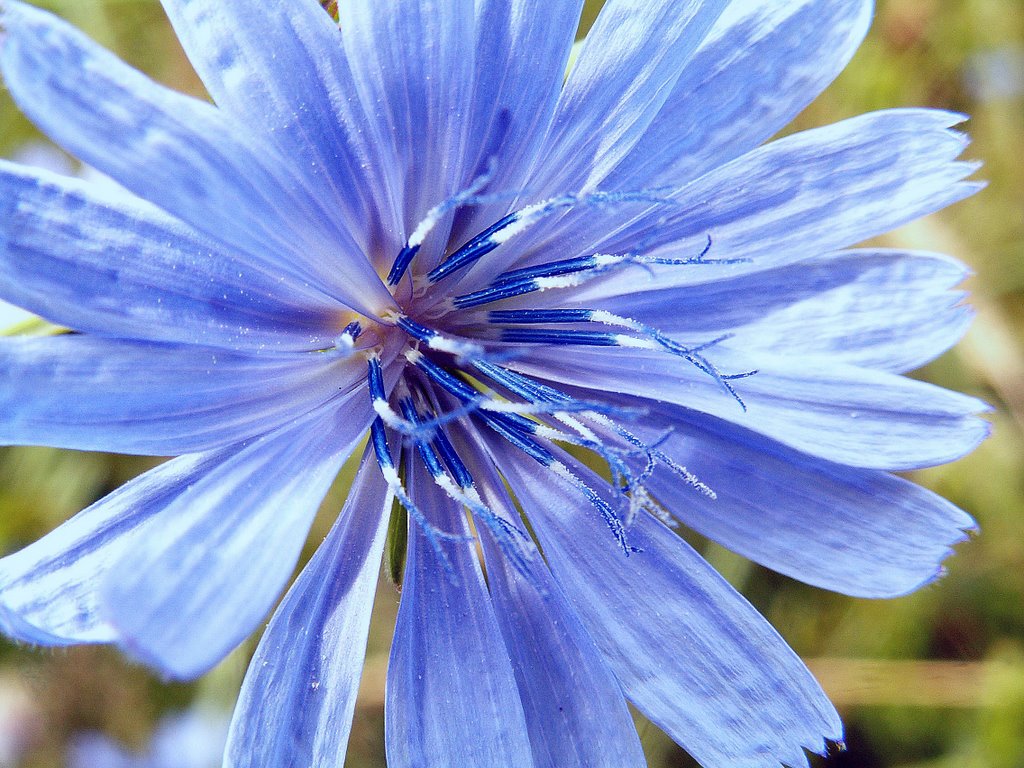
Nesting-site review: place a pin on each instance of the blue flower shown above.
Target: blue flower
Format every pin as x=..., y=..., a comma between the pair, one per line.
x=190, y=739
x=411, y=223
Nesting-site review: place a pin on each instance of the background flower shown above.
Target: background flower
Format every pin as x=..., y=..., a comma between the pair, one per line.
x=190, y=739
x=910, y=100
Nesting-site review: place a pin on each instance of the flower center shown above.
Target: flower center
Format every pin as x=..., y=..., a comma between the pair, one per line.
x=455, y=369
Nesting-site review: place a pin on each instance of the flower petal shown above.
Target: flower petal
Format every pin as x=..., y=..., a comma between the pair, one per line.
x=449, y=667
x=818, y=191
x=509, y=86
x=104, y=263
x=48, y=593
x=90, y=393
x=514, y=96
x=626, y=69
x=574, y=708
x=807, y=194
x=837, y=412
x=689, y=651
x=179, y=153
x=760, y=65
x=296, y=704
x=860, y=532
x=183, y=599
x=412, y=65
x=279, y=68
x=96, y=750
x=885, y=309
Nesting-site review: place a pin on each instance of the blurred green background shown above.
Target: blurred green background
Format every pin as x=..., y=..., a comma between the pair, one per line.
x=934, y=680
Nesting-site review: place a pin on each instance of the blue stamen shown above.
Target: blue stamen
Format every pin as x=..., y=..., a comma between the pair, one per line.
x=512, y=427
x=550, y=269
x=610, y=518
x=541, y=394
x=469, y=396
x=412, y=246
x=427, y=452
x=518, y=434
x=572, y=273
x=656, y=455
x=476, y=248
x=378, y=436
x=425, y=428
x=531, y=316
x=416, y=330
x=345, y=341
x=375, y=379
x=530, y=447
x=504, y=532
x=402, y=262
x=560, y=405
x=525, y=387
x=530, y=279
x=567, y=338
x=460, y=348
x=451, y=384
x=654, y=338
x=451, y=459
x=495, y=293
x=698, y=259
x=519, y=221
x=603, y=339
x=520, y=385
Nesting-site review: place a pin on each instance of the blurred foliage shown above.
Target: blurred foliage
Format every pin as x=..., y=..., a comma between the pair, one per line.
x=934, y=680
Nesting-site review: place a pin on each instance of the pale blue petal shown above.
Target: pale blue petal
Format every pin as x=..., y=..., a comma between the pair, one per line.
x=521, y=90
x=451, y=693
x=179, y=153
x=760, y=65
x=183, y=599
x=626, y=69
x=94, y=750
x=689, y=651
x=296, y=704
x=514, y=96
x=818, y=191
x=413, y=65
x=279, y=69
x=837, y=412
x=886, y=309
x=807, y=194
x=85, y=258
x=860, y=532
x=91, y=393
x=190, y=739
x=575, y=711
x=897, y=314
x=48, y=590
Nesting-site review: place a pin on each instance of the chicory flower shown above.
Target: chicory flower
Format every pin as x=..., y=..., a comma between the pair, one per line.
x=409, y=222
x=190, y=739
